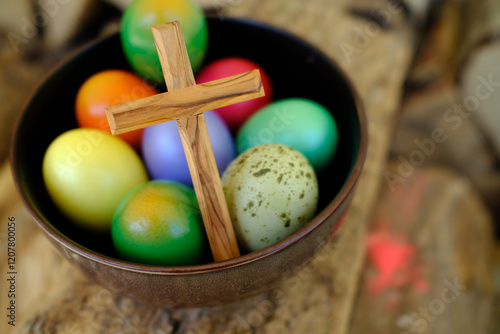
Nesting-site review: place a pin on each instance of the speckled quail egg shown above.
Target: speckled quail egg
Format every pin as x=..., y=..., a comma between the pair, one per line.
x=271, y=191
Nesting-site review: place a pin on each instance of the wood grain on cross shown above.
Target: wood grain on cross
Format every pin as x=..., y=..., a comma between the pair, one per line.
x=185, y=102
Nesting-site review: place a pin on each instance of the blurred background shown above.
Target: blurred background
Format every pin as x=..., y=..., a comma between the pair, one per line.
x=438, y=166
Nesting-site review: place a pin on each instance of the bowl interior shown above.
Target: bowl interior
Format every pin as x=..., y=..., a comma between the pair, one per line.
x=295, y=68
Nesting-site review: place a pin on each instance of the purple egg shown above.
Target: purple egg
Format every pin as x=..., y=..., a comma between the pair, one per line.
x=164, y=155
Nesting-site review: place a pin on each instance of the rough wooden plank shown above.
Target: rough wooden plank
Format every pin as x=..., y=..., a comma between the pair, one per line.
x=462, y=145
x=430, y=252
x=436, y=57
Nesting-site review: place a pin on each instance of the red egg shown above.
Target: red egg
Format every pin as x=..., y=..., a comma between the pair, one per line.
x=235, y=115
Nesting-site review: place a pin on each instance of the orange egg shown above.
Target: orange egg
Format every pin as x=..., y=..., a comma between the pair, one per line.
x=108, y=88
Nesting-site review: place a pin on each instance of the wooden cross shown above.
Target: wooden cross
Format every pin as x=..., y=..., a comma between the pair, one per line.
x=185, y=102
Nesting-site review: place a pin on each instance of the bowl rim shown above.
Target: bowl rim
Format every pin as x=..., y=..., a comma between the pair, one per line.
x=205, y=268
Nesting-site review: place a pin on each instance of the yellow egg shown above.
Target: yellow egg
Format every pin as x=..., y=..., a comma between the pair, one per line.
x=87, y=172
x=271, y=191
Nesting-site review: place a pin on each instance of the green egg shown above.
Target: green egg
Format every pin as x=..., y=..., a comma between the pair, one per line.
x=137, y=38
x=160, y=223
x=299, y=123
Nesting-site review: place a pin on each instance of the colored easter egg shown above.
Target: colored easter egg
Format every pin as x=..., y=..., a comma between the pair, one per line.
x=236, y=114
x=138, y=42
x=87, y=172
x=299, y=123
x=164, y=154
x=271, y=191
x=159, y=223
x=109, y=88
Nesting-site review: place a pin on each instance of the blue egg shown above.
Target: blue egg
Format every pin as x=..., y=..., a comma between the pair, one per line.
x=164, y=155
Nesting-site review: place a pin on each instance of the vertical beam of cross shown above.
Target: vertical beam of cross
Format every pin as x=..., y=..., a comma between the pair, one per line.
x=197, y=147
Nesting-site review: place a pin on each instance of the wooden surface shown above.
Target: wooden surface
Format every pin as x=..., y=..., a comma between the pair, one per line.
x=466, y=148
x=319, y=298
x=430, y=253
x=327, y=294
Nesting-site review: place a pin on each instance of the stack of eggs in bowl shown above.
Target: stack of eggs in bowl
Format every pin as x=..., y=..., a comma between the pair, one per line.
x=123, y=208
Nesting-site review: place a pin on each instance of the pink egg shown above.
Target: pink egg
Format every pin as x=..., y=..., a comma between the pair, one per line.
x=235, y=115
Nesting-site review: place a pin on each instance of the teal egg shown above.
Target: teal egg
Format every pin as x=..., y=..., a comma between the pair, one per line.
x=300, y=123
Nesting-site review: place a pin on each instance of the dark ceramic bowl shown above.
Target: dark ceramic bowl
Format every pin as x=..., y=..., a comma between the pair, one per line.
x=296, y=69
